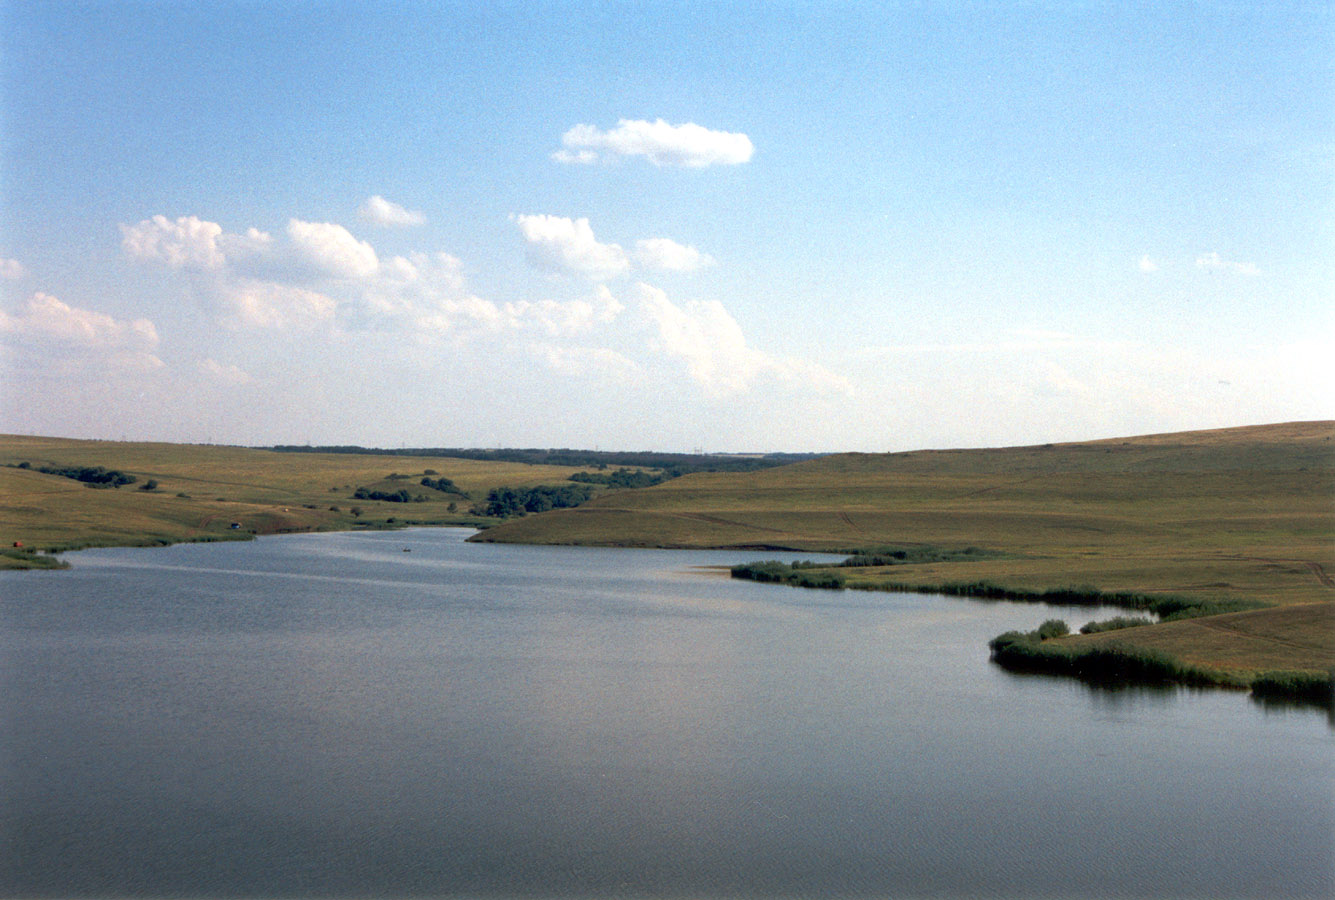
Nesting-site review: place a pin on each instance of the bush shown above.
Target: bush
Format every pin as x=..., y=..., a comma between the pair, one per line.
x=1052, y=628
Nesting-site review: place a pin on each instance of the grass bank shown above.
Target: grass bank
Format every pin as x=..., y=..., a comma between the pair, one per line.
x=1048, y=650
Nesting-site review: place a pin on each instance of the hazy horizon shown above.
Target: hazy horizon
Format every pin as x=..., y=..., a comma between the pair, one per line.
x=722, y=227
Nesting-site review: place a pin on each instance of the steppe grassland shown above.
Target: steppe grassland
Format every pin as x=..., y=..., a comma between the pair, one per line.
x=201, y=490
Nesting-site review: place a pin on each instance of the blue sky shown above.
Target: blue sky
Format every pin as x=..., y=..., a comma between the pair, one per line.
x=735, y=227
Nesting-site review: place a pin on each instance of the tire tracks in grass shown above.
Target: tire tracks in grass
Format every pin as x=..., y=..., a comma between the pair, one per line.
x=1315, y=567
x=1271, y=639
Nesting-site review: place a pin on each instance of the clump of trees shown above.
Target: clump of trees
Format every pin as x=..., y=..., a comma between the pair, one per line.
x=508, y=501
x=621, y=478
x=444, y=485
x=94, y=475
x=399, y=496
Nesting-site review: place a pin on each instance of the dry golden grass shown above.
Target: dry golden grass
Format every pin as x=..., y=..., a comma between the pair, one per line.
x=1300, y=637
x=202, y=490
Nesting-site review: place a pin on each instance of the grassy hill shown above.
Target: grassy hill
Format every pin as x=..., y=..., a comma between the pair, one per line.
x=1239, y=514
x=202, y=490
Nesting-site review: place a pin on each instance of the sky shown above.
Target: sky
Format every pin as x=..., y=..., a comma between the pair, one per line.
x=719, y=227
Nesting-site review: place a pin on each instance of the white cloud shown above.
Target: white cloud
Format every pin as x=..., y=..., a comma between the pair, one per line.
x=668, y=255
x=559, y=243
x=188, y=242
x=11, y=269
x=225, y=373
x=241, y=246
x=1216, y=263
x=578, y=158
x=332, y=249
x=48, y=324
x=704, y=336
x=1147, y=265
x=663, y=144
x=267, y=304
x=566, y=317
x=589, y=362
x=382, y=212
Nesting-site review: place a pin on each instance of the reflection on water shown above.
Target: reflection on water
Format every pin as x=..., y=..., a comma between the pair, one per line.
x=348, y=719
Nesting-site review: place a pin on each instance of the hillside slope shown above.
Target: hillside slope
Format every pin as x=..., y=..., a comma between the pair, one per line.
x=202, y=490
x=1242, y=514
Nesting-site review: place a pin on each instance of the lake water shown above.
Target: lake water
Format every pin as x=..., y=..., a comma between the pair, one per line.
x=328, y=715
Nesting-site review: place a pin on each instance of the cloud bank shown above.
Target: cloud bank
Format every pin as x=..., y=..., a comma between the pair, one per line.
x=47, y=326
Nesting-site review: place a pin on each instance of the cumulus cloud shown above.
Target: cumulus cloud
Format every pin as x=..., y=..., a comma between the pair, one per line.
x=663, y=144
x=11, y=269
x=566, y=317
x=1216, y=263
x=379, y=211
x=332, y=249
x=187, y=242
x=1147, y=265
x=47, y=323
x=710, y=343
x=253, y=243
x=667, y=255
x=251, y=303
x=562, y=244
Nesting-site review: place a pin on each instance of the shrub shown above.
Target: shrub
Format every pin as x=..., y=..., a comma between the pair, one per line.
x=1052, y=628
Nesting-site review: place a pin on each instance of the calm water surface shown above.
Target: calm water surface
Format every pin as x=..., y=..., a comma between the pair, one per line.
x=328, y=715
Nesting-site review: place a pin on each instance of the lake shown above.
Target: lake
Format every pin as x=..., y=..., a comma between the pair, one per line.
x=329, y=715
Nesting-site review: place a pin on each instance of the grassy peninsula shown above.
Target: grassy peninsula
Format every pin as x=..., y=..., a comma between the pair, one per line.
x=1241, y=518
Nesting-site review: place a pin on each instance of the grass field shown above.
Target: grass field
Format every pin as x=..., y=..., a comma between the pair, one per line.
x=202, y=490
x=1235, y=514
